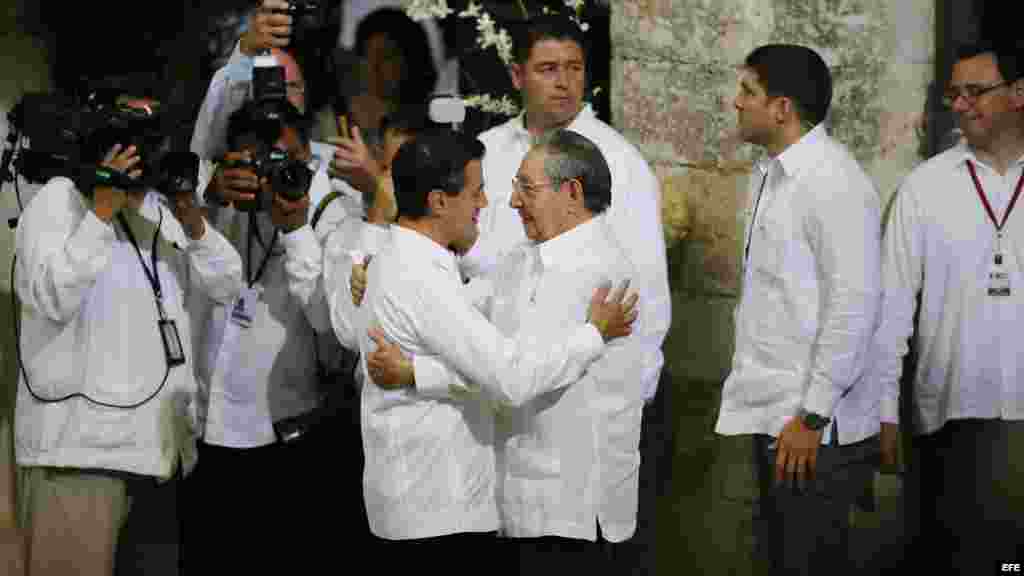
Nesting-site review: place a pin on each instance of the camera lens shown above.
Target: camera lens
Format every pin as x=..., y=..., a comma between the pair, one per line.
x=291, y=180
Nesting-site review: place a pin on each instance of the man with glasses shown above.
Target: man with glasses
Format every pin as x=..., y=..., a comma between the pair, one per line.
x=955, y=242
x=550, y=71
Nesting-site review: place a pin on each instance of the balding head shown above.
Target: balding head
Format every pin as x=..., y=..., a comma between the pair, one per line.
x=293, y=78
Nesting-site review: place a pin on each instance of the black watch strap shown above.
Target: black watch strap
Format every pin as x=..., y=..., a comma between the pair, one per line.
x=814, y=421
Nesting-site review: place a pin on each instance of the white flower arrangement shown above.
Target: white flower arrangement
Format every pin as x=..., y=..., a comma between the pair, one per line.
x=489, y=34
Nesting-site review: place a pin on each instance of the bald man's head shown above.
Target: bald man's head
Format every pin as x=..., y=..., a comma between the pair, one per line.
x=293, y=79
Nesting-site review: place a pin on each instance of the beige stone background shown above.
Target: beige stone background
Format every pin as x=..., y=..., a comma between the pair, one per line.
x=673, y=81
x=674, y=74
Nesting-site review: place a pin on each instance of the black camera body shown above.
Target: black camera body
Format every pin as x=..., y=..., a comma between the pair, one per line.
x=287, y=177
x=63, y=136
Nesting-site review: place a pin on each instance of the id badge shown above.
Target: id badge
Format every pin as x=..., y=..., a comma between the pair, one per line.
x=243, y=313
x=173, y=352
x=998, y=278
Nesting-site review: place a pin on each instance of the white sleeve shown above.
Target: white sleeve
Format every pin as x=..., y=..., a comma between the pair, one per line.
x=61, y=248
x=228, y=91
x=510, y=370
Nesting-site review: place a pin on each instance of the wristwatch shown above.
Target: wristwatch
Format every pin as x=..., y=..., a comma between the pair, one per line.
x=813, y=421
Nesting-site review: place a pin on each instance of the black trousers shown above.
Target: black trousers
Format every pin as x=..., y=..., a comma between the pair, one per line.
x=275, y=507
x=804, y=532
x=462, y=554
x=971, y=489
x=558, y=556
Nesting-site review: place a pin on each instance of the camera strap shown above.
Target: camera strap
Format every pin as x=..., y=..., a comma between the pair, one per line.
x=173, y=351
x=267, y=254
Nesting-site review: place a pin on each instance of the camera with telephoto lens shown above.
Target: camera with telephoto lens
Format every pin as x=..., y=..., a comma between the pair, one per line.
x=257, y=127
x=289, y=178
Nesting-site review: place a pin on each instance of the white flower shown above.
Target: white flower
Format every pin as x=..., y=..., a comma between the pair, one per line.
x=426, y=9
x=474, y=10
x=576, y=5
x=488, y=103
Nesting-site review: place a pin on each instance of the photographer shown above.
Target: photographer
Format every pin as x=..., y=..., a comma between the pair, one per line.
x=259, y=478
x=268, y=41
x=105, y=401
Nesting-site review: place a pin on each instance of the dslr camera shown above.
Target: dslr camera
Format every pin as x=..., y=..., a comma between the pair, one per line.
x=257, y=127
x=289, y=178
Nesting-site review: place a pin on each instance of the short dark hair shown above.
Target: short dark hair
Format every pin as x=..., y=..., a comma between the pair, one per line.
x=266, y=119
x=1009, y=56
x=546, y=27
x=434, y=160
x=796, y=72
x=419, y=74
x=571, y=155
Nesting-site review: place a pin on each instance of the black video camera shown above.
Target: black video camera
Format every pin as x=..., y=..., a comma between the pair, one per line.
x=64, y=136
x=289, y=178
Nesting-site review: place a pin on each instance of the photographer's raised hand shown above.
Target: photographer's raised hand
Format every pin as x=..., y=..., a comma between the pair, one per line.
x=268, y=28
x=234, y=185
x=108, y=200
x=185, y=209
x=289, y=215
x=354, y=163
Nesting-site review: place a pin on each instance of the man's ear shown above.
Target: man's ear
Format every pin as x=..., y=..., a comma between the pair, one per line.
x=784, y=109
x=437, y=202
x=1017, y=94
x=575, y=192
x=517, y=72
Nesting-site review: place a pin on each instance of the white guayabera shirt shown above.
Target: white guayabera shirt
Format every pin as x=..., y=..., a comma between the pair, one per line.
x=810, y=298
x=569, y=456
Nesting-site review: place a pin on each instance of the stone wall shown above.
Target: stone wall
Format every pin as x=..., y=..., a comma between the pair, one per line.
x=674, y=79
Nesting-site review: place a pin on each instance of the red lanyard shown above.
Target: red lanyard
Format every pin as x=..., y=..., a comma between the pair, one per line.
x=988, y=207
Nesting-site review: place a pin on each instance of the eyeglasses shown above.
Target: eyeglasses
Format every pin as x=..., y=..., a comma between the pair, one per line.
x=970, y=92
x=524, y=187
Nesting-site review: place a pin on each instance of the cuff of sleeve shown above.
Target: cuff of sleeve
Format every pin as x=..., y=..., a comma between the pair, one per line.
x=890, y=410
x=301, y=239
x=587, y=341
x=821, y=399
x=432, y=378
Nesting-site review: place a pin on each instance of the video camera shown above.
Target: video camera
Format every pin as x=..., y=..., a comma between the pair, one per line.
x=59, y=135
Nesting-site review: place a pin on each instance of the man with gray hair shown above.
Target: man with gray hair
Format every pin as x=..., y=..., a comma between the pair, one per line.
x=568, y=458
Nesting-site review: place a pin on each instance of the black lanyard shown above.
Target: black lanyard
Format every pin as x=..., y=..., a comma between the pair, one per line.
x=753, y=219
x=268, y=250
x=154, y=275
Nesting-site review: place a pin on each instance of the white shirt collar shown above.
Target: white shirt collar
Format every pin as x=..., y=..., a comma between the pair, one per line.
x=804, y=153
x=568, y=251
x=966, y=152
x=427, y=248
x=586, y=114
